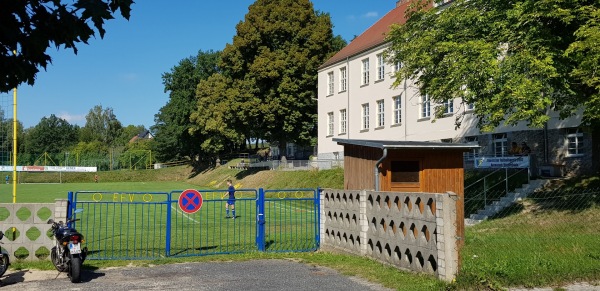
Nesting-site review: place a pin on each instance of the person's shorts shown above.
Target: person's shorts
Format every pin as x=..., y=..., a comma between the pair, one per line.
x=230, y=201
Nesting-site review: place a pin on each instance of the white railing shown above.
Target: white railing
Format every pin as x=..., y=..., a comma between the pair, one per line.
x=295, y=165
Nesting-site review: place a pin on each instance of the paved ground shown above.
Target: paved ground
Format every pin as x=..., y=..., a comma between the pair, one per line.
x=251, y=275
x=244, y=276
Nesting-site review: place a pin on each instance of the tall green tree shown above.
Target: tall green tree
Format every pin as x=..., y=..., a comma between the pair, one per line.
x=30, y=27
x=173, y=139
x=51, y=135
x=273, y=64
x=514, y=60
x=218, y=117
x=101, y=124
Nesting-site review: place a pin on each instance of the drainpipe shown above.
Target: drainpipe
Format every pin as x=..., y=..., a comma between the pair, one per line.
x=377, y=168
x=405, y=109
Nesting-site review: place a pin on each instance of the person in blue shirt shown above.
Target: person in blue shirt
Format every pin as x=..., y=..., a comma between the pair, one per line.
x=231, y=201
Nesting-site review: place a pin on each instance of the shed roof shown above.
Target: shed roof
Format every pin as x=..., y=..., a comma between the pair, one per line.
x=393, y=144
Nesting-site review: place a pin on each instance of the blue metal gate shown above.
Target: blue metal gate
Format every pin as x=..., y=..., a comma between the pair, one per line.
x=149, y=225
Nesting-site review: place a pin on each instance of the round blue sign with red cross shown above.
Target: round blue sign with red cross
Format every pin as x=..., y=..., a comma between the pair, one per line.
x=190, y=201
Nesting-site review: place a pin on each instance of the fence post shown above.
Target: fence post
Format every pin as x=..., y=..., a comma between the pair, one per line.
x=363, y=222
x=318, y=197
x=71, y=204
x=168, y=231
x=506, y=180
x=484, y=191
x=260, y=220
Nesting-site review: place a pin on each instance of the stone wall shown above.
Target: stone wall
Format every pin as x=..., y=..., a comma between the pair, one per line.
x=412, y=231
x=26, y=228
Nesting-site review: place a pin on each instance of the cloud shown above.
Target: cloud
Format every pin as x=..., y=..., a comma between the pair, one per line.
x=370, y=14
x=72, y=118
x=129, y=77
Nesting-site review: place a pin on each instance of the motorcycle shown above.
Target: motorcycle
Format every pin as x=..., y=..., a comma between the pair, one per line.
x=67, y=254
x=4, y=259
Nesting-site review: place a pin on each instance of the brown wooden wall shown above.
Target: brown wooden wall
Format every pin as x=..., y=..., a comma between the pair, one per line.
x=441, y=171
x=359, y=167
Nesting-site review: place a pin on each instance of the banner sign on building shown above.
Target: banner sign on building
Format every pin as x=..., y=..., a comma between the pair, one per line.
x=502, y=162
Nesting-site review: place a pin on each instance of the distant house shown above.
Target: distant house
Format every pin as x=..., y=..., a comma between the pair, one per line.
x=146, y=134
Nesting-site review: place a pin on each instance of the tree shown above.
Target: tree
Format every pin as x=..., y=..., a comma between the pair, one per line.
x=51, y=135
x=218, y=116
x=101, y=125
x=513, y=60
x=173, y=139
x=29, y=27
x=273, y=64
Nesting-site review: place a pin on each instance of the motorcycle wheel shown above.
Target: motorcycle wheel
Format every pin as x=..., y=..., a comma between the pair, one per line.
x=56, y=260
x=4, y=263
x=75, y=270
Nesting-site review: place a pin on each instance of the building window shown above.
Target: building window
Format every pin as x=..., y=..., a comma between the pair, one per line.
x=365, y=72
x=330, y=83
x=343, y=79
x=470, y=106
x=425, y=106
x=365, y=116
x=380, y=113
x=397, y=118
x=343, y=122
x=397, y=67
x=405, y=171
x=330, y=123
x=500, y=145
x=574, y=142
x=380, y=67
x=475, y=152
x=449, y=106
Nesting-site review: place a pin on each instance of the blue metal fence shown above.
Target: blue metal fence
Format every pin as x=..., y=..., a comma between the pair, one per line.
x=149, y=225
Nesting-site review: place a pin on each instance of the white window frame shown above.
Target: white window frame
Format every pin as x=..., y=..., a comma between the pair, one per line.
x=330, y=123
x=365, y=116
x=330, y=83
x=397, y=111
x=500, y=143
x=343, y=79
x=365, y=72
x=380, y=67
x=574, y=142
x=476, y=151
x=449, y=106
x=425, y=106
x=380, y=113
x=397, y=67
x=343, y=121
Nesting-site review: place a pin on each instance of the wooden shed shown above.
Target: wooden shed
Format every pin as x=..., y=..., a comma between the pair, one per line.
x=406, y=166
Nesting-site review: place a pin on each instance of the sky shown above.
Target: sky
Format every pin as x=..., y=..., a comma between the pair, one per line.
x=123, y=71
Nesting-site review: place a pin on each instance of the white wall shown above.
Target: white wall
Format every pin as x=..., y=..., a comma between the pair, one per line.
x=412, y=128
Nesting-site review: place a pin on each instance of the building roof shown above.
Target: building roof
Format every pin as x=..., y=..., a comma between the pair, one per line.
x=393, y=144
x=373, y=36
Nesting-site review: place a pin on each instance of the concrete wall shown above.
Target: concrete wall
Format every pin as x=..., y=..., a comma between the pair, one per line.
x=411, y=231
x=34, y=222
